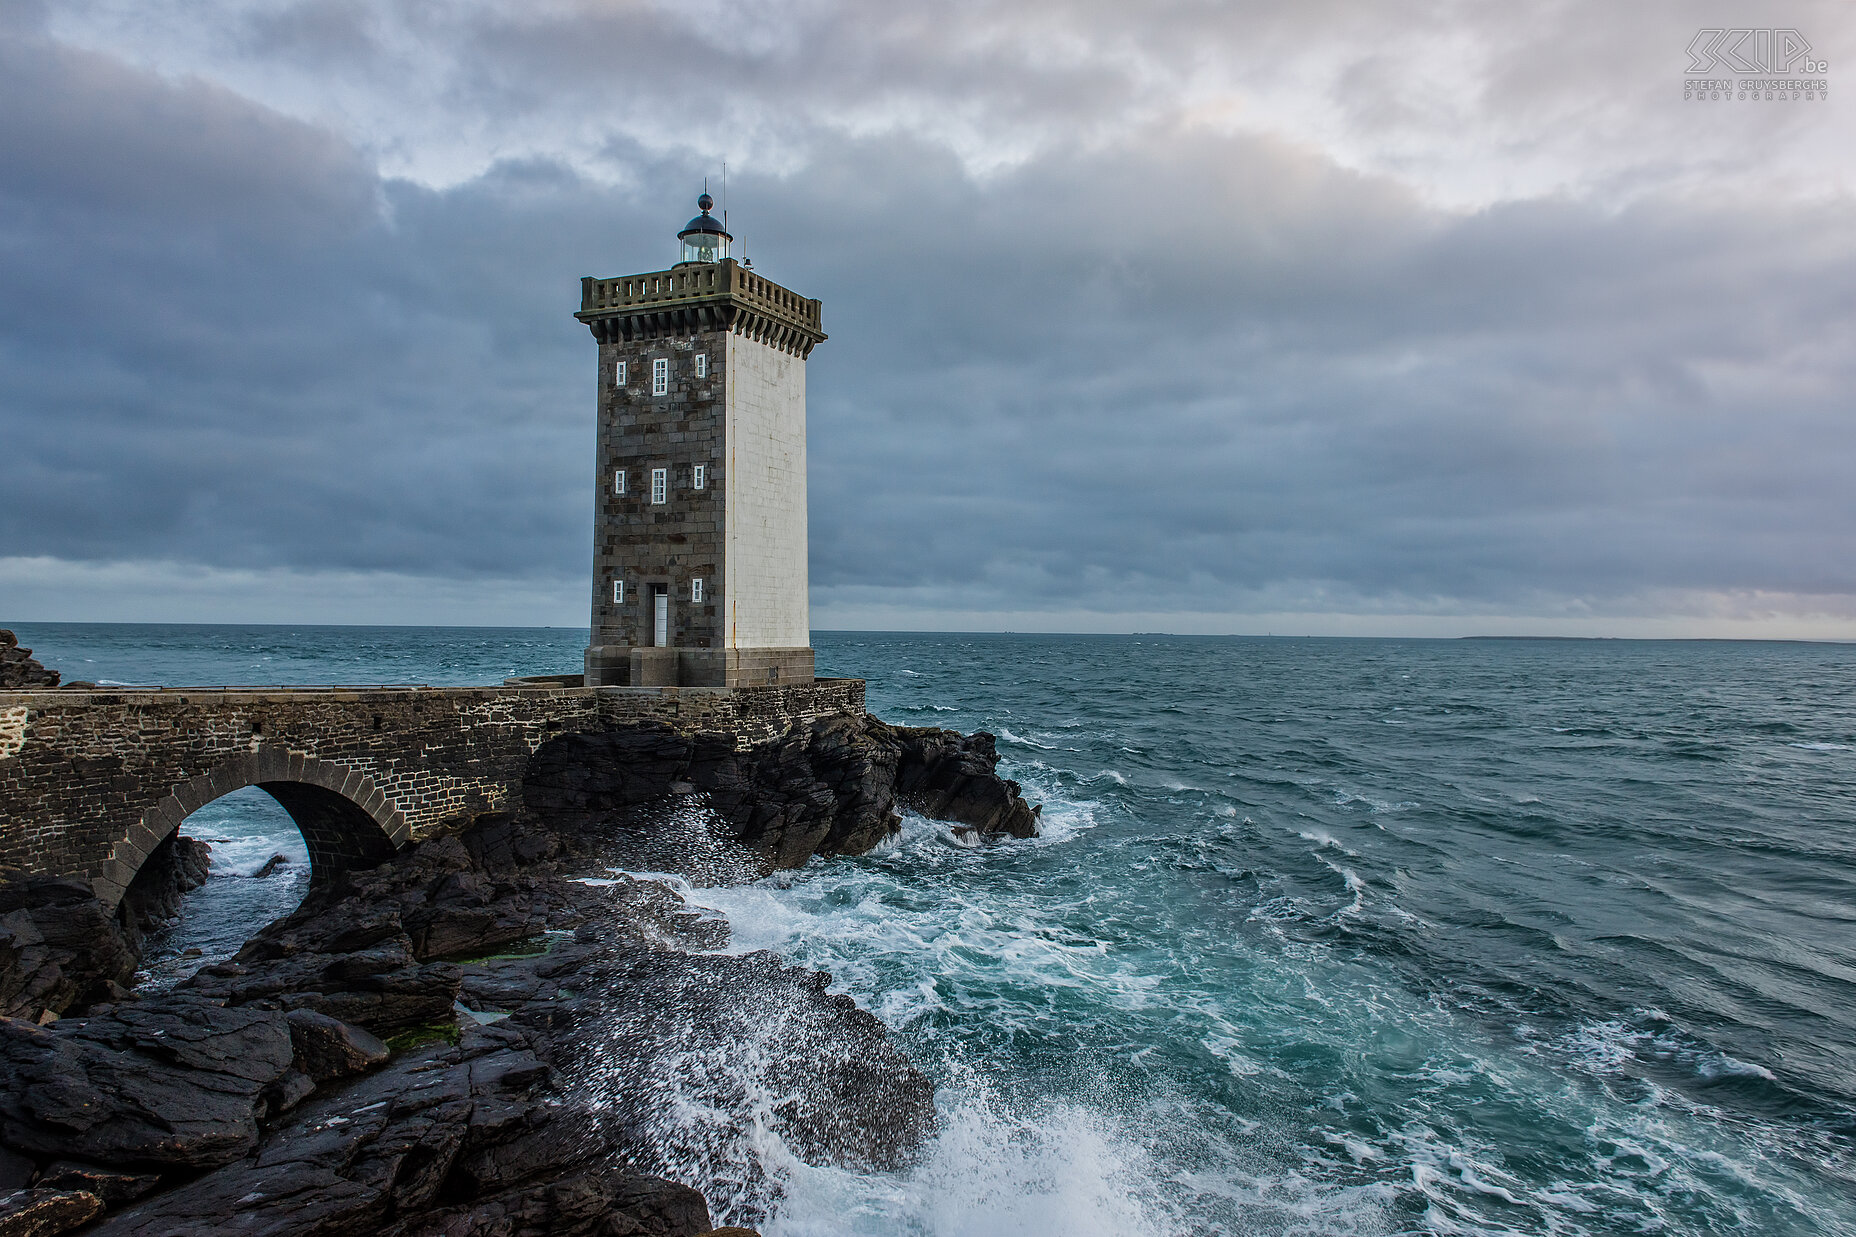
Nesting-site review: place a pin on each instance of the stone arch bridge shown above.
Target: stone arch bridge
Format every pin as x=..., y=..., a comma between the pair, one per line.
x=93, y=780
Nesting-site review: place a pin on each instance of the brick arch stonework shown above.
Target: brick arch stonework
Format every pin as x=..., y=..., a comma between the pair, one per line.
x=346, y=820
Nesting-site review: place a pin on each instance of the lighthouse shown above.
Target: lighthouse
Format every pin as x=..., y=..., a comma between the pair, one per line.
x=699, y=516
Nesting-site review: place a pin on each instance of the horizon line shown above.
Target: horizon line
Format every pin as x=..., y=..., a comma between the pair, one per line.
x=903, y=631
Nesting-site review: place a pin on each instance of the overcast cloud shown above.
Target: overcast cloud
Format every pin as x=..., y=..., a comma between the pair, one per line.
x=1404, y=318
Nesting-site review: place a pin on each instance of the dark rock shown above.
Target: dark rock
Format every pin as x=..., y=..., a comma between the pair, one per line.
x=18, y=670
x=503, y=842
x=114, y=1188
x=287, y=1092
x=445, y=1139
x=175, y=868
x=270, y=866
x=602, y=1202
x=670, y=1025
x=16, y=1171
x=60, y=948
x=248, y=1202
x=832, y=788
x=946, y=775
x=44, y=1213
x=164, y=1084
x=384, y=990
x=327, y=1048
x=583, y=773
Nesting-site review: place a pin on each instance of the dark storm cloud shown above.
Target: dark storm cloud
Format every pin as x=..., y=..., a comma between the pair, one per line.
x=1297, y=376
x=227, y=340
x=1159, y=367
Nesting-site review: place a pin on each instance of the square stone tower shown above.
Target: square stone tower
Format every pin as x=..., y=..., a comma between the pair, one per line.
x=699, y=524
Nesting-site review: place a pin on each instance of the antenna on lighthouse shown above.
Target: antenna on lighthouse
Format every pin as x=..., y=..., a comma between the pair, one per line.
x=725, y=197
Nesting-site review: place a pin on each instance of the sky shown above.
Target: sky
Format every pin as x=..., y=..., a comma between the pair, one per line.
x=1385, y=317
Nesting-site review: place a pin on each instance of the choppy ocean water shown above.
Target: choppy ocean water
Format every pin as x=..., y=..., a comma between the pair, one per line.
x=1323, y=936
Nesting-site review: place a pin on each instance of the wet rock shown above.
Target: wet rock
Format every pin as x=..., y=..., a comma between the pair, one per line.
x=243, y=1201
x=946, y=775
x=114, y=1188
x=327, y=1048
x=44, y=1213
x=60, y=948
x=597, y=1203
x=383, y=990
x=665, y=1034
x=16, y=1171
x=833, y=788
x=175, y=868
x=161, y=1085
x=287, y=1092
x=446, y=1139
x=579, y=774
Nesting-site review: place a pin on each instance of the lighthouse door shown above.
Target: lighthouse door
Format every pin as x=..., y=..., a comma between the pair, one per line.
x=660, y=602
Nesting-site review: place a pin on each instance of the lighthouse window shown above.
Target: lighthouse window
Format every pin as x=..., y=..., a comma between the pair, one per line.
x=618, y=373
x=702, y=365
x=660, y=376
x=618, y=592
x=699, y=477
x=696, y=590
x=660, y=482
x=618, y=481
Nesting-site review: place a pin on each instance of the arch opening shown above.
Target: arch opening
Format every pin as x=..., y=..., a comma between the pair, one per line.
x=315, y=819
x=258, y=869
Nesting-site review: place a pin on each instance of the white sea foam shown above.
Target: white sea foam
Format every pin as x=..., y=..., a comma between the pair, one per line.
x=246, y=856
x=1346, y=798
x=1066, y=1171
x=1324, y=840
x=1713, y=1065
x=1005, y=732
x=1822, y=747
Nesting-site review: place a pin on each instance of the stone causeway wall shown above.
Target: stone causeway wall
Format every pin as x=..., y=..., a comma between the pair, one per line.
x=91, y=781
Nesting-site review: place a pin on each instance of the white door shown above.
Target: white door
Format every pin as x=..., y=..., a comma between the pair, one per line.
x=661, y=600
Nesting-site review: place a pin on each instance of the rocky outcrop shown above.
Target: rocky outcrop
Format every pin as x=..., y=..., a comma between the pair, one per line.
x=59, y=948
x=462, y=1138
x=946, y=775
x=62, y=948
x=175, y=868
x=18, y=670
x=175, y=1084
x=832, y=788
x=470, y=1039
x=551, y=1037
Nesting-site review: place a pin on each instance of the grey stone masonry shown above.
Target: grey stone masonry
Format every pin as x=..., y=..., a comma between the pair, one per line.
x=670, y=544
x=91, y=781
x=700, y=478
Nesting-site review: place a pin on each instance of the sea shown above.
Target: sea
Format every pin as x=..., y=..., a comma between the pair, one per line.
x=1321, y=936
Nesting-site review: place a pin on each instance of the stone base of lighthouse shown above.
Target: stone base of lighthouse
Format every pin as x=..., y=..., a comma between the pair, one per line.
x=618, y=665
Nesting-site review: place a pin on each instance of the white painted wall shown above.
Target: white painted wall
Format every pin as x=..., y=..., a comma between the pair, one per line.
x=766, y=602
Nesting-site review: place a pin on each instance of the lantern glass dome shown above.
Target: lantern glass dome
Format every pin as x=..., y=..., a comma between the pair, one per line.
x=703, y=237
